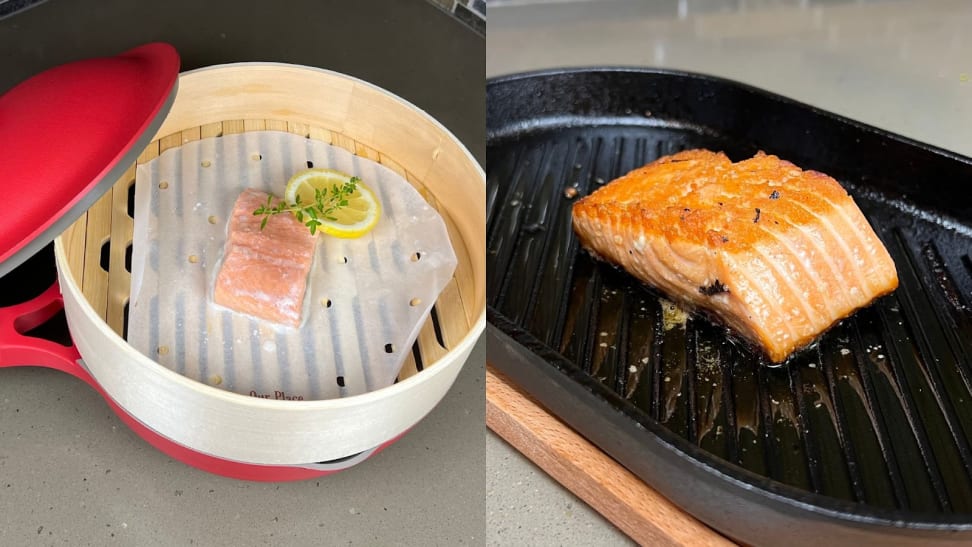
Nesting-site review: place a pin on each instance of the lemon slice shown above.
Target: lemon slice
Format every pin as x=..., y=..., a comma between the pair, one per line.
x=355, y=219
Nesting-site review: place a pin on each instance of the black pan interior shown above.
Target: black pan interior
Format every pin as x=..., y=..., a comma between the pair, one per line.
x=867, y=433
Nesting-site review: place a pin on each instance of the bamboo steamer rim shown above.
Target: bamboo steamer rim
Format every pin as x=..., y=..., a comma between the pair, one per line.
x=217, y=76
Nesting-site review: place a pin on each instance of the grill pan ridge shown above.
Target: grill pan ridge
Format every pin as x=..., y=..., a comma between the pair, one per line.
x=864, y=437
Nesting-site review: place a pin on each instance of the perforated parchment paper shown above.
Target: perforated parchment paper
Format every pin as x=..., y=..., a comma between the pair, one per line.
x=366, y=300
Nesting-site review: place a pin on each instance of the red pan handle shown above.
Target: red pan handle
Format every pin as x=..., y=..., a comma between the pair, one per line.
x=16, y=349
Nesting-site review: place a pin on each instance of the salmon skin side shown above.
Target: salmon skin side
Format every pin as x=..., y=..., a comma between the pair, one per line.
x=264, y=272
x=777, y=253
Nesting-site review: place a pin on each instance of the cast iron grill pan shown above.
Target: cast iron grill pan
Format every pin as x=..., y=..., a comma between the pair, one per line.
x=864, y=437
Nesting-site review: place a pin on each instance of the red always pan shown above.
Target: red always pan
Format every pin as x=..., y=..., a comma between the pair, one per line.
x=113, y=110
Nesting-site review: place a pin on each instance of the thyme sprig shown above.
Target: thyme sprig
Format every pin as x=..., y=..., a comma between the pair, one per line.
x=326, y=202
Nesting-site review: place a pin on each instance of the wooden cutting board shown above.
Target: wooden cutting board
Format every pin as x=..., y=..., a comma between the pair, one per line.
x=613, y=491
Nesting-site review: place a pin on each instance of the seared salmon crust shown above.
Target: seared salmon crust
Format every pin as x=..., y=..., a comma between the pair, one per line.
x=777, y=253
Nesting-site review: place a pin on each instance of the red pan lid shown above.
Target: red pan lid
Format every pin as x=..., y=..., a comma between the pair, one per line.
x=68, y=133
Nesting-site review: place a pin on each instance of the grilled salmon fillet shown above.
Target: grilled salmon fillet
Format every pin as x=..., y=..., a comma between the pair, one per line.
x=264, y=272
x=777, y=253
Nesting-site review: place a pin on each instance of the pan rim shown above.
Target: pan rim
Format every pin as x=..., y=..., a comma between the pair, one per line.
x=700, y=76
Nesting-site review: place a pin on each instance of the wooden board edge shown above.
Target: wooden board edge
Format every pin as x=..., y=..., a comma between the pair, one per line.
x=622, y=498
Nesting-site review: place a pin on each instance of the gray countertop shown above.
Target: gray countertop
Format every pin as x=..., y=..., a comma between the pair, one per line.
x=905, y=66
x=72, y=474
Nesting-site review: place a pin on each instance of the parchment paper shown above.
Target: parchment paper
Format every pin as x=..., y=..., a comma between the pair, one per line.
x=366, y=299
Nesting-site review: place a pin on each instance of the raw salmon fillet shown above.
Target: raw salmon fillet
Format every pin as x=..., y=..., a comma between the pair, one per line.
x=777, y=253
x=264, y=272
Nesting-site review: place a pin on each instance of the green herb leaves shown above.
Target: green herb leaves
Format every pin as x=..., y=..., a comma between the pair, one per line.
x=326, y=202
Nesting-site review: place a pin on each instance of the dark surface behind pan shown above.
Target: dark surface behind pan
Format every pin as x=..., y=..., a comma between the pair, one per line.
x=864, y=437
